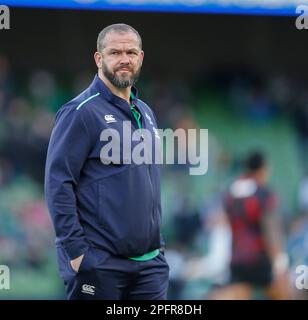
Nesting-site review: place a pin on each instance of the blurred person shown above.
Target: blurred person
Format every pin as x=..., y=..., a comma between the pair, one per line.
x=258, y=260
x=217, y=236
x=107, y=217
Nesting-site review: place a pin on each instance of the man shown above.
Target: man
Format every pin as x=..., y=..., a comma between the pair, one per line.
x=257, y=259
x=106, y=216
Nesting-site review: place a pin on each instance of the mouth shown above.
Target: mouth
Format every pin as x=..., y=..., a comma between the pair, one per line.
x=124, y=70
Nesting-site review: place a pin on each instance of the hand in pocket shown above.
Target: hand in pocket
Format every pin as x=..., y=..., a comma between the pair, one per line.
x=75, y=264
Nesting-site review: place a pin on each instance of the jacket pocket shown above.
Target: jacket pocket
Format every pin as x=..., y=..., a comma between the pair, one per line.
x=88, y=262
x=93, y=259
x=65, y=269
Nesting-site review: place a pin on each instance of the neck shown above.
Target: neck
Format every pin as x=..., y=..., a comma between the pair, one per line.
x=258, y=176
x=123, y=93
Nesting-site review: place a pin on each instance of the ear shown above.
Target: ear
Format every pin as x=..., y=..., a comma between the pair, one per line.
x=98, y=59
x=142, y=55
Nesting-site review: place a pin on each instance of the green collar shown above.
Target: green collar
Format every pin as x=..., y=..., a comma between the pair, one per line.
x=135, y=112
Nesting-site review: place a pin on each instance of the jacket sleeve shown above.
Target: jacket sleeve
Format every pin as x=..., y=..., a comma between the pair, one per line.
x=67, y=151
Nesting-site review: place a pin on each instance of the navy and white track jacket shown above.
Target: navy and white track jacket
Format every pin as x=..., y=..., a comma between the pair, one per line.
x=113, y=207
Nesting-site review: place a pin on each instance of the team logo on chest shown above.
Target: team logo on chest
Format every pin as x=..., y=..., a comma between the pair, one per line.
x=110, y=118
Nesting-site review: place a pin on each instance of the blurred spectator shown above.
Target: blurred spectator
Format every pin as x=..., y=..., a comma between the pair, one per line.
x=258, y=259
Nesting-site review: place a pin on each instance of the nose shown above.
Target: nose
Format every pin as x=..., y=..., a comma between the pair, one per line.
x=124, y=59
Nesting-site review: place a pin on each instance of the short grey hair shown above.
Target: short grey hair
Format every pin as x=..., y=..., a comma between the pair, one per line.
x=118, y=27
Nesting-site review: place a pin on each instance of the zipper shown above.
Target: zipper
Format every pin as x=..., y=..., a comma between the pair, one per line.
x=135, y=114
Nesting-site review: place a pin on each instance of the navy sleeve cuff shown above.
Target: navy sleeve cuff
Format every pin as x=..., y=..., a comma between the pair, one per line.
x=76, y=249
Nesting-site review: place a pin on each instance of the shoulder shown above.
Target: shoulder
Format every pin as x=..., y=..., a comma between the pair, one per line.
x=268, y=197
x=265, y=191
x=79, y=107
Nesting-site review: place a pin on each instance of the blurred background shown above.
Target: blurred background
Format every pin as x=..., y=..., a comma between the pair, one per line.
x=240, y=72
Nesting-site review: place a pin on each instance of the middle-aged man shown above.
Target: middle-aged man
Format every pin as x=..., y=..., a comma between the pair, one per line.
x=107, y=217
